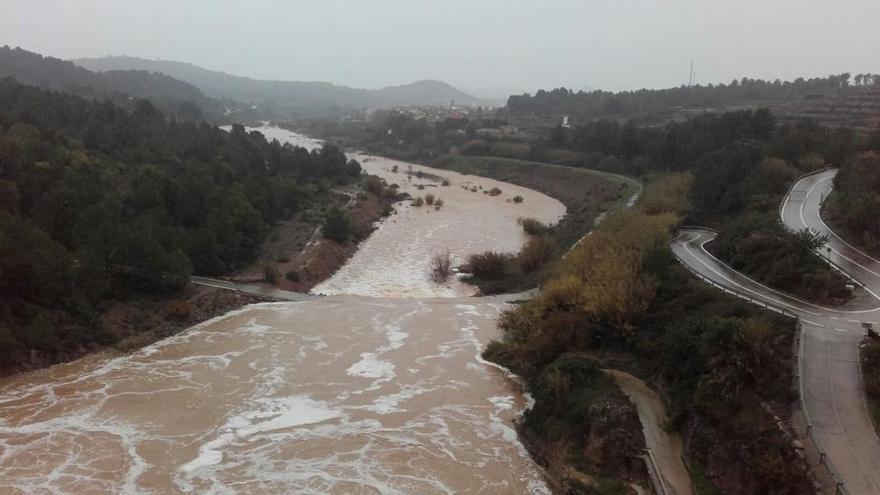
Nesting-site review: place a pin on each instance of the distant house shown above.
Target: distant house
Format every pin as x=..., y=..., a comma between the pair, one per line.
x=488, y=132
x=508, y=129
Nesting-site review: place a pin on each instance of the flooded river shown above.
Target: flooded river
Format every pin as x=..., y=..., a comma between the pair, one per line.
x=339, y=394
x=394, y=261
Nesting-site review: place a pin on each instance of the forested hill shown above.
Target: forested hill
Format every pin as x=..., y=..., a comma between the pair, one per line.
x=97, y=202
x=178, y=98
x=291, y=94
x=816, y=98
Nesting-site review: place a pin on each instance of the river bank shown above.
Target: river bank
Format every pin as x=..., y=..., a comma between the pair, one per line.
x=140, y=321
x=332, y=395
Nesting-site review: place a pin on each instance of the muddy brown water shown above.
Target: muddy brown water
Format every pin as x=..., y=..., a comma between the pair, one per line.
x=339, y=394
x=395, y=260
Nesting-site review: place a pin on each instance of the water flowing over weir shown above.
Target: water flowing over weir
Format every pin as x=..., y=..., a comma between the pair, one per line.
x=340, y=394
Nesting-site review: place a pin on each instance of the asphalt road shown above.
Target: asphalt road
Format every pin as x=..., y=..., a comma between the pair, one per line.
x=830, y=380
x=801, y=210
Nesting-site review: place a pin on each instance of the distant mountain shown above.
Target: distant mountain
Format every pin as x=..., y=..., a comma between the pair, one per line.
x=291, y=94
x=59, y=75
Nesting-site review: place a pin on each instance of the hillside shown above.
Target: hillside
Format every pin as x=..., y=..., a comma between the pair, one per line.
x=290, y=94
x=182, y=99
x=858, y=108
x=100, y=205
x=833, y=101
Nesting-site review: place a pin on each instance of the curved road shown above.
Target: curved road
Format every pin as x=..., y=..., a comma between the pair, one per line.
x=830, y=380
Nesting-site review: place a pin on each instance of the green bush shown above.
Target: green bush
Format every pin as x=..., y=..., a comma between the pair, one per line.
x=337, y=226
x=488, y=265
x=533, y=226
x=375, y=185
x=536, y=252
x=270, y=274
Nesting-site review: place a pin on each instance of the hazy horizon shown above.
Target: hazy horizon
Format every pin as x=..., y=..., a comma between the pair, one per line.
x=490, y=49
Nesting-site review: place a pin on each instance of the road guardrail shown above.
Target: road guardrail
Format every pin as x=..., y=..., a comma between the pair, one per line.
x=840, y=487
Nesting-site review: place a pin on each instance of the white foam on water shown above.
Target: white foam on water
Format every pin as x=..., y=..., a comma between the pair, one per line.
x=286, y=415
x=370, y=367
x=391, y=403
x=271, y=414
x=395, y=335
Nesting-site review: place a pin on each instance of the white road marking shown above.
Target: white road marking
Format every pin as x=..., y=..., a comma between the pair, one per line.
x=789, y=296
x=760, y=296
x=819, y=216
x=841, y=239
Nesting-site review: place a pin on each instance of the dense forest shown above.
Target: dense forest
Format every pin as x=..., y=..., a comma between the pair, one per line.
x=97, y=201
x=174, y=97
x=599, y=103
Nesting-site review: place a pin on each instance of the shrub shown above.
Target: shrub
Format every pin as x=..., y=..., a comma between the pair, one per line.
x=283, y=259
x=441, y=267
x=475, y=147
x=536, y=252
x=420, y=187
x=445, y=182
x=517, y=199
x=494, y=191
x=395, y=169
x=292, y=275
x=375, y=185
x=488, y=265
x=533, y=226
x=179, y=309
x=438, y=203
x=270, y=274
x=337, y=226
x=418, y=202
x=429, y=198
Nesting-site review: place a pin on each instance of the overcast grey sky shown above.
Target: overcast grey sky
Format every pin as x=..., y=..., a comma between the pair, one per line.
x=501, y=44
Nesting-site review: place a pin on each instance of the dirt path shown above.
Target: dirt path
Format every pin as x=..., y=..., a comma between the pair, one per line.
x=665, y=446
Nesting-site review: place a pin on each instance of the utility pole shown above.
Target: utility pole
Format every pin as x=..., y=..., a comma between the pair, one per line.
x=691, y=75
